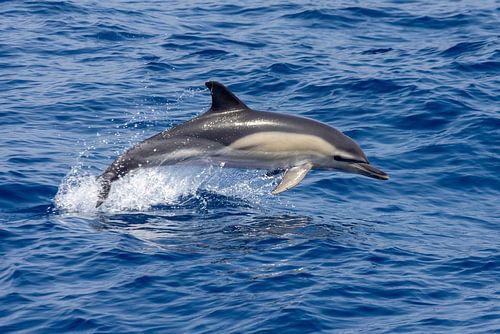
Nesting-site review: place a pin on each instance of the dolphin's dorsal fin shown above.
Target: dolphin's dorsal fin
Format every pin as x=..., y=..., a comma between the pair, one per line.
x=223, y=99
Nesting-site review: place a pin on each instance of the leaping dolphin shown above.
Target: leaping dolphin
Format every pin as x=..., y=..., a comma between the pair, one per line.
x=234, y=135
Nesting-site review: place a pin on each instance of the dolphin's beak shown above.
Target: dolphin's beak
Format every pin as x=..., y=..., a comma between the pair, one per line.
x=370, y=171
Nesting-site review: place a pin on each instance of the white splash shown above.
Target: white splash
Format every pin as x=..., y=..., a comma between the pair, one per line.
x=149, y=187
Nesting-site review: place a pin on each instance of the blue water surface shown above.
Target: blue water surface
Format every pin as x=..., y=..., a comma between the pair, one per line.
x=209, y=250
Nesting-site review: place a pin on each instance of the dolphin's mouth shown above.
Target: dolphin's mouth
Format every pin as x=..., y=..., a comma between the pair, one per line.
x=370, y=171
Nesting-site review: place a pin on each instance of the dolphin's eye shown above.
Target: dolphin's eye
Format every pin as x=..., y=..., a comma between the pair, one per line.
x=339, y=158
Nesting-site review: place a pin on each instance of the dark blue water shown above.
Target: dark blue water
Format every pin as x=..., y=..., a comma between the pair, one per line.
x=416, y=84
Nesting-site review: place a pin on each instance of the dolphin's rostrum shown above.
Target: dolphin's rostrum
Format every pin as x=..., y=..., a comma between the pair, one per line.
x=234, y=135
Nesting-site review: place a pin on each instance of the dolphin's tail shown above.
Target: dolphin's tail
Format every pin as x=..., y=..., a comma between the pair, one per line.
x=105, y=186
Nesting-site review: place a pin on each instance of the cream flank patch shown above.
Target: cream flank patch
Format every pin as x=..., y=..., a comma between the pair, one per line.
x=275, y=141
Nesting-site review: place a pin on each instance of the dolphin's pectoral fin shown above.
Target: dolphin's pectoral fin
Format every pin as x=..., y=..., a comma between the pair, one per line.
x=292, y=177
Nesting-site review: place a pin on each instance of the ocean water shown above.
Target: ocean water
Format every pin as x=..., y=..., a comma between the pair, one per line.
x=209, y=250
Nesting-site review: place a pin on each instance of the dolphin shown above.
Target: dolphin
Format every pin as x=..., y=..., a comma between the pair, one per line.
x=231, y=134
